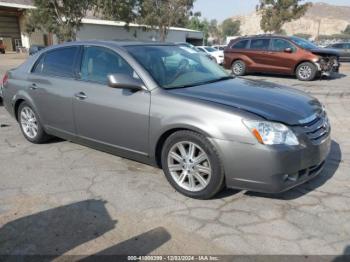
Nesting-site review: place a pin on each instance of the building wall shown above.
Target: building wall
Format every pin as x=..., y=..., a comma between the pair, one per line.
x=107, y=32
x=9, y=30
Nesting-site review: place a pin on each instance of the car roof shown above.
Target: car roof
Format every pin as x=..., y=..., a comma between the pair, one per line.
x=263, y=36
x=111, y=43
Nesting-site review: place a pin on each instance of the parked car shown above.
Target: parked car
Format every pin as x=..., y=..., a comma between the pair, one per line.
x=204, y=128
x=195, y=49
x=35, y=48
x=219, y=47
x=280, y=55
x=218, y=55
x=343, y=49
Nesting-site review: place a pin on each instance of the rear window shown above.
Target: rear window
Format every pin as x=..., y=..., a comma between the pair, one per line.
x=260, y=44
x=59, y=62
x=240, y=44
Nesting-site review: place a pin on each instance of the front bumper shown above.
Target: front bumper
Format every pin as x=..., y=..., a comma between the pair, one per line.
x=271, y=169
x=327, y=69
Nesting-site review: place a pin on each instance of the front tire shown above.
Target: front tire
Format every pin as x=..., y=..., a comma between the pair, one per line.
x=306, y=71
x=30, y=125
x=239, y=68
x=192, y=165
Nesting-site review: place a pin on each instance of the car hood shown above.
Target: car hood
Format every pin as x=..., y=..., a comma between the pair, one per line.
x=324, y=51
x=270, y=101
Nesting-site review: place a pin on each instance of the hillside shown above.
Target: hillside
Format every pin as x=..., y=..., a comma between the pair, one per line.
x=330, y=19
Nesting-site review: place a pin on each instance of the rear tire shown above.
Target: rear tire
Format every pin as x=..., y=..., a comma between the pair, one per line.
x=192, y=165
x=306, y=71
x=239, y=68
x=30, y=125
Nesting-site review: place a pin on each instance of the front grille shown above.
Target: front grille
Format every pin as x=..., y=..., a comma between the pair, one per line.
x=318, y=129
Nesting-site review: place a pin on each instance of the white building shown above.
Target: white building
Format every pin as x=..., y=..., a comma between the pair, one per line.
x=13, y=30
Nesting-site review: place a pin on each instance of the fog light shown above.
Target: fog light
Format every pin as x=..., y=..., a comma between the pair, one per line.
x=293, y=177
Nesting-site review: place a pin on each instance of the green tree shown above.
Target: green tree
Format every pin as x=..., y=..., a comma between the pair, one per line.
x=63, y=17
x=214, y=31
x=60, y=17
x=347, y=30
x=230, y=27
x=275, y=13
x=196, y=23
x=162, y=14
x=121, y=10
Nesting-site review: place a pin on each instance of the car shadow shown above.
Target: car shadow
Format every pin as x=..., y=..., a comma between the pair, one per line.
x=334, y=77
x=55, y=231
x=140, y=245
x=49, y=234
x=345, y=257
x=323, y=78
x=332, y=165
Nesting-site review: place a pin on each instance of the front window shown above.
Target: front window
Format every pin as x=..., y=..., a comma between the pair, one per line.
x=99, y=62
x=303, y=43
x=281, y=45
x=175, y=67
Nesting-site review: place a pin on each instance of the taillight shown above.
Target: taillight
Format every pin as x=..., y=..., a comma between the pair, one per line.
x=5, y=79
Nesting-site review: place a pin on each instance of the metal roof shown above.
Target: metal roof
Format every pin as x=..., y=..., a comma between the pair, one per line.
x=20, y=4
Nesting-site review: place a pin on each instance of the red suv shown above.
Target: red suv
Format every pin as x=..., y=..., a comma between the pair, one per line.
x=280, y=55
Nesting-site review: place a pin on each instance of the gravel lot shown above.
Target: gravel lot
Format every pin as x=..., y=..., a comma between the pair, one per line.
x=63, y=198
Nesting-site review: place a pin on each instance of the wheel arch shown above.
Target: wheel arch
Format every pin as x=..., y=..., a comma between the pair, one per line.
x=165, y=135
x=301, y=62
x=17, y=103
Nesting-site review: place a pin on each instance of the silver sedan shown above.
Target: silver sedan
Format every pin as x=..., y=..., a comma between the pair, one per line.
x=165, y=105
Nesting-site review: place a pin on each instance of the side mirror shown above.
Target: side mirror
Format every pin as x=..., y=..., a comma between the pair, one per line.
x=288, y=50
x=125, y=82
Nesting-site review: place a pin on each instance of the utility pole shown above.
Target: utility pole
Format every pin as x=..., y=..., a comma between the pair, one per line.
x=318, y=30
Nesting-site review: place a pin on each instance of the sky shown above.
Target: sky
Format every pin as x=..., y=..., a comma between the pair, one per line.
x=222, y=9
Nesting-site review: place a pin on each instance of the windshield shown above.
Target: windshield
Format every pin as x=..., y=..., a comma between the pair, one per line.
x=303, y=43
x=210, y=49
x=175, y=67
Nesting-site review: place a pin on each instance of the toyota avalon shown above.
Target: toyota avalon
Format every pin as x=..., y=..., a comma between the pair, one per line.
x=165, y=105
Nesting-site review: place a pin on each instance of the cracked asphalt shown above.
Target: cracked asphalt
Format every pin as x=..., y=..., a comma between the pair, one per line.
x=62, y=198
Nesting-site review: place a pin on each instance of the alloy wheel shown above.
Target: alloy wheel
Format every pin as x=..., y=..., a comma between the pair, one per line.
x=29, y=122
x=189, y=166
x=237, y=68
x=305, y=72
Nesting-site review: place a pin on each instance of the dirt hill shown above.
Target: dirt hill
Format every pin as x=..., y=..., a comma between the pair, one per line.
x=329, y=19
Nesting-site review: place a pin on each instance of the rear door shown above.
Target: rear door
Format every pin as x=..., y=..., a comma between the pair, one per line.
x=258, y=52
x=117, y=118
x=51, y=86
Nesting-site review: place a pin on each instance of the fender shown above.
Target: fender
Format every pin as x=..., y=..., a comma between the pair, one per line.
x=22, y=95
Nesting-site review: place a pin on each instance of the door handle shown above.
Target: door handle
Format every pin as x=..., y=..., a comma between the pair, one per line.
x=33, y=86
x=81, y=96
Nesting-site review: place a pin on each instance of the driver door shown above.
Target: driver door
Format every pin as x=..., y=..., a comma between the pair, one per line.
x=117, y=118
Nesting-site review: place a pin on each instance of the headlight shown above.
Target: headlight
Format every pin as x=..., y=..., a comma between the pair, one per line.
x=270, y=133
